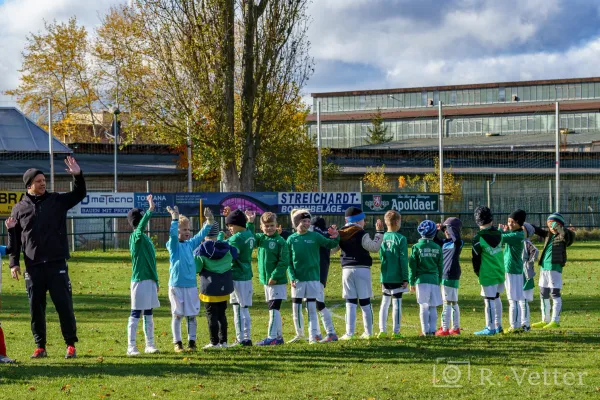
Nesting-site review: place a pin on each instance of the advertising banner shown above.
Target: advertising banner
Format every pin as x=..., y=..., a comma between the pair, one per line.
x=104, y=204
x=317, y=202
x=8, y=201
x=404, y=203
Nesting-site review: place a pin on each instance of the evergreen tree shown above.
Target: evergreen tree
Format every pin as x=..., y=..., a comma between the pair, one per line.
x=378, y=133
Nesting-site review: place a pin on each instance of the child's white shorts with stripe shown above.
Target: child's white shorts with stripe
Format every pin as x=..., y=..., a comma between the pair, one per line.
x=492, y=290
x=550, y=279
x=308, y=290
x=514, y=287
x=528, y=294
x=242, y=293
x=428, y=293
x=390, y=289
x=144, y=295
x=275, y=292
x=356, y=283
x=449, y=293
x=184, y=301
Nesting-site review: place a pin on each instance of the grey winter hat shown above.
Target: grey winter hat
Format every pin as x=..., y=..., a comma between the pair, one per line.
x=30, y=175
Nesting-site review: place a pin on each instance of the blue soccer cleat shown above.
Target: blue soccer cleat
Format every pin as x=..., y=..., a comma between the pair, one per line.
x=485, y=332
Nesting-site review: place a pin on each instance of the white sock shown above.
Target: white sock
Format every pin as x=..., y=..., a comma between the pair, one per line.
x=192, y=327
x=278, y=323
x=327, y=321
x=176, y=328
x=132, y=331
x=367, y=312
x=350, y=318
x=455, y=316
x=313, y=319
x=383, y=312
x=424, y=316
x=446, y=311
x=247, y=323
x=397, y=313
x=498, y=319
x=298, y=319
x=556, y=308
x=432, y=319
x=513, y=314
x=272, y=334
x=149, y=330
x=524, y=306
x=490, y=314
x=238, y=320
x=546, y=310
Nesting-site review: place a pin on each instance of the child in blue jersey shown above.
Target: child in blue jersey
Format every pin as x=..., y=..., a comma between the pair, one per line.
x=451, y=248
x=4, y=250
x=183, y=287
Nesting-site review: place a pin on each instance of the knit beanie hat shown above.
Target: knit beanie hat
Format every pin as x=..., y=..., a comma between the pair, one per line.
x=427, y=229
x=134, y=216
x=30, y=175
x=214, y=230
x=483, y=215
x=453, y=222
x=236, y=217
x=556, y=217
x=519, y=216
x=298, y=215
x=319, y=222
x=354, y=214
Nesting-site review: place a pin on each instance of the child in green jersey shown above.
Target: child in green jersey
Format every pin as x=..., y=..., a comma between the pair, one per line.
x=394, y=274
x=144, y=279
x=530, y=256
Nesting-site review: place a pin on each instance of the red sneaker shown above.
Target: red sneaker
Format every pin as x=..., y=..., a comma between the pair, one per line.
x=71, y=352
x=442, y=332
x=455, y=331
x=39, y=353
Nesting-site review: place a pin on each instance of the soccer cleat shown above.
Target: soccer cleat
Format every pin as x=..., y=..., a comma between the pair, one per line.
x=211, y=346
x=319, y=337
x=246, y=343
x=331, y=337
x=442, y=332
x=178, y=347
x=132, y=351
x=297, y=339
x=499, y=330
x=223, y=345
x=39, y=353
x=512, y=330
x=552, y=325
x=267, y=342
x=397, y=336
x=151, y=350
x=71, y=352
x=279, y=341
x=540, y=324
x=312, y=340
x=454, y=331
x=526, y=328
x=382, y=335
x=366, y=336
x=6, y=360
x=485, y=332
x=347, y=337
x=191, y=345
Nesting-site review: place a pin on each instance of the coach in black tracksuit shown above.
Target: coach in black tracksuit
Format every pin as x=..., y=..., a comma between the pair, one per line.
x=41, y=233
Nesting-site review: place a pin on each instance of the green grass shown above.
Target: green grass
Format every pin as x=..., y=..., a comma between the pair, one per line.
x=500, y=366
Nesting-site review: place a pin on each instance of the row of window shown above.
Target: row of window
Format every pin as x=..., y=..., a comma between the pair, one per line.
x=351, y=134
x=538, y=93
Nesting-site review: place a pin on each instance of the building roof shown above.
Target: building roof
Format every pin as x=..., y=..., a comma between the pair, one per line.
x=456, y=87
x=456, y=111
x=19, y=134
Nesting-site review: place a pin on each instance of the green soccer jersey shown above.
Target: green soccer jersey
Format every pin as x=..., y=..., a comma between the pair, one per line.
x=394, y=258
x=143, y=254
x=244, y=243
x=547, y=258
x=490, y=258
x=273, y=257
x=513, y=251
x=426, y=263
x=304, y=264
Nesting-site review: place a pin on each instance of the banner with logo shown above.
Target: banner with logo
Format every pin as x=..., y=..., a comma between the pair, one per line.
x=8, y=201
x=404, y=203
x=104, y=204
x=318, y=202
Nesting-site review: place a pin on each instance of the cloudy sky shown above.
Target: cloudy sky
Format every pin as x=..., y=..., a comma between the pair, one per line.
x=374, y=44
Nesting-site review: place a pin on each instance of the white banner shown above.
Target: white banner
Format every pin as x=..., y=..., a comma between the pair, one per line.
x=104, y=204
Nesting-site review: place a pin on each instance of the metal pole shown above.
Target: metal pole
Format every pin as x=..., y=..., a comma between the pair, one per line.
x=319, y=145
x=116, y=140
x=189, y=154
x=550, y=195
x=50, y=144
x=557, y=201
x=148, y=191
x=72, y=223
x=441, y=157
x=489, y=196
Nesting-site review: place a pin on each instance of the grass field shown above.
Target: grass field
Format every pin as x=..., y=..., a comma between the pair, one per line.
x=564, y=363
